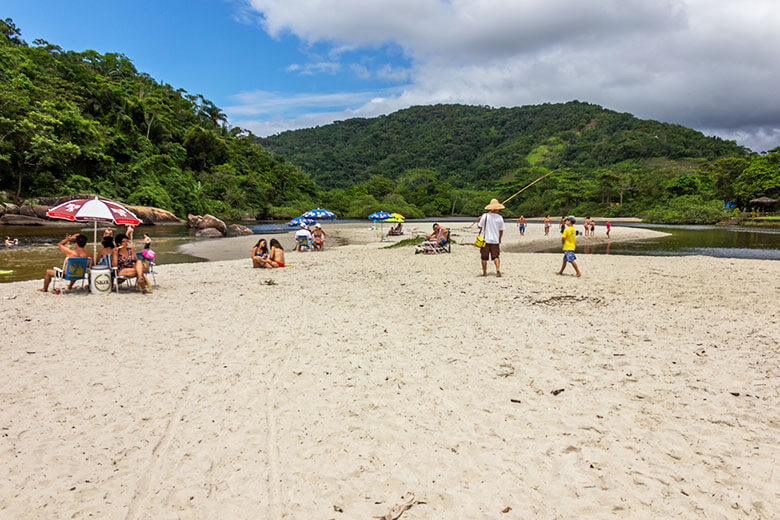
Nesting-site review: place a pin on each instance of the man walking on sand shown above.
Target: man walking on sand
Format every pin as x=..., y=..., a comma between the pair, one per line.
x=567, y=239
x=492, y=225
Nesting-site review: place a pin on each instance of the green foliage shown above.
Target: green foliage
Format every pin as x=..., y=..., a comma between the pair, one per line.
x=689, y=209
x=406, y=242
x=760, y=178
x=90, y=122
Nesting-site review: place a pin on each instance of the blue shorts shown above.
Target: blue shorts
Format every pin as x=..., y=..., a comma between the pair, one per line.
x=569, y=256
x=522, y=228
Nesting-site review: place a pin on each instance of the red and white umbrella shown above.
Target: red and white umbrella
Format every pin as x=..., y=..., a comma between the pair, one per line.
x=94, y=210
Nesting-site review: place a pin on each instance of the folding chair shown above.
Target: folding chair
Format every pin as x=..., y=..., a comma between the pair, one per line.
x=74, y=268
x=433, y=247
x=302, y=242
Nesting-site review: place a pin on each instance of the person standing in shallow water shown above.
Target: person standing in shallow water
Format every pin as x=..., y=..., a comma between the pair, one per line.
x=492, y=225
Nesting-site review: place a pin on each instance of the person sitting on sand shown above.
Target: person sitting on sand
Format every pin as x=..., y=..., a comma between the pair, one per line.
x=124, y=259
x=8, y=242
x=77, y=252
x=276, y=256
x=106, y=251
x=397, y=230
x=318, y=235
x=260, y=254
x=439, y=235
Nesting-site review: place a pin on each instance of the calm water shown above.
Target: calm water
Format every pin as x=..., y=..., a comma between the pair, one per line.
x=718, y=241
x=33, y=256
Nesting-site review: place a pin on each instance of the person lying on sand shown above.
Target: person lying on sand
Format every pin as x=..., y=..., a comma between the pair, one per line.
x=76, y=251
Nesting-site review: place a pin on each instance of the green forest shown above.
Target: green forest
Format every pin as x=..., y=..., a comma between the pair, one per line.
x=77, y=122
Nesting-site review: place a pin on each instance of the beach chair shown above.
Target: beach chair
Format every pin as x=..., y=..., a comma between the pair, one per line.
x=433, y=247
x=302, y=242
x=151, y=265
x=74, y=268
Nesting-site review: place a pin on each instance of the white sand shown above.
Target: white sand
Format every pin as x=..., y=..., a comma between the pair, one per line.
x=360, y=374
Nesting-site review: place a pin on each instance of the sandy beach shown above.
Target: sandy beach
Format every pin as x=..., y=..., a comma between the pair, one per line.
x=361, y=379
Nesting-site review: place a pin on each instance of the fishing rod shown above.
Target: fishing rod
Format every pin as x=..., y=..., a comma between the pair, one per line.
x=525, y=188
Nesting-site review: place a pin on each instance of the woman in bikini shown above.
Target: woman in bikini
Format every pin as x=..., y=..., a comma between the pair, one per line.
x=547, y=224
x=260, y=254
x=276, y=256
x=587, y=225
x=319, y=237
x=123, y=257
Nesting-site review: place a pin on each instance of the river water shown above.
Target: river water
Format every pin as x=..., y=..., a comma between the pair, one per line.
x=35, y=252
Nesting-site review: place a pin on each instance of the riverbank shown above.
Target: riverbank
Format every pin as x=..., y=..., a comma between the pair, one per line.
x=648, y=389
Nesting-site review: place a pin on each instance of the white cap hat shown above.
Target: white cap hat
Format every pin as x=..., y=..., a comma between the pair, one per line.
x=303, y=224
x=317, y=225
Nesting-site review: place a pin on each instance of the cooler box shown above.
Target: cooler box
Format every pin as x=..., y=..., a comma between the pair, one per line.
x=100, y=280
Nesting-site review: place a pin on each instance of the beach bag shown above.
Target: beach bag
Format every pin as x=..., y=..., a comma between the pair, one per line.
x=480, y=240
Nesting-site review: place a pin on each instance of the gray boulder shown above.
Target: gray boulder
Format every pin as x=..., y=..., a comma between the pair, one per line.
x=236, y=230
x=21, y=220
x=210, y=221
x=209, y=233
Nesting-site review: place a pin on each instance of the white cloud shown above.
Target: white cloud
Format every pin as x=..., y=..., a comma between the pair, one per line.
x=703, y=63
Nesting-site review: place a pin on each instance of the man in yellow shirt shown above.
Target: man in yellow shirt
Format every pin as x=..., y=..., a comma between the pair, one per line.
x=567, y=239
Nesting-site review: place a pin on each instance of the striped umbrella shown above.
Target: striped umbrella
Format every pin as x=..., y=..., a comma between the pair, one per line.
x=94, y=210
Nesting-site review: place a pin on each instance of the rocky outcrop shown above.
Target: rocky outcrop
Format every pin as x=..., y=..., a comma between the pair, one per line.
x=210, y=221
x=209, y=233
x=193, y=221
x=236, y=230
x=22, y=220
x=151, y=215
x=37, y=208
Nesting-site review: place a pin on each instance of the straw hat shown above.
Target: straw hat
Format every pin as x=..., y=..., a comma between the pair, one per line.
x=494, y=204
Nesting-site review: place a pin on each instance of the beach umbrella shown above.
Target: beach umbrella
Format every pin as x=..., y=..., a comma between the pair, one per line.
x=393, y=219
x=94, y=210
x=319, y=214
x=379, y=216
x=297, y=221
x=398, y=216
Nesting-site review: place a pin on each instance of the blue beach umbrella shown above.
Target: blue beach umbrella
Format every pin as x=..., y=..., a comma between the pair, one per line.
x=319, y=214
x=297, y=221
x=379, y=216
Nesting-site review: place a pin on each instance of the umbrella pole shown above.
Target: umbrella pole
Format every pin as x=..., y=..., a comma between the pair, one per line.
x=94, y=241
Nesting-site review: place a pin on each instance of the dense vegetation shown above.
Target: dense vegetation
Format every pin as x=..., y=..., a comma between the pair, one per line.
x=445, y=159
x=75, y=122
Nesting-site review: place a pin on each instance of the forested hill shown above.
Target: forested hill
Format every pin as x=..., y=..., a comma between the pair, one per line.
x=84, y=122
x=475, y=146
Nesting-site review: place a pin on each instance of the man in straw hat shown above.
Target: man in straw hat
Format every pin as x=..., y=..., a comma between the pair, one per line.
x=492, y=225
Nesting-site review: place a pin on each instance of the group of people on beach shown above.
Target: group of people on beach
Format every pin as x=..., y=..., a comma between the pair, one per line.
x=267, y=257
x=589, y=225
x=11, y=242
x=313, y=237
x=116, y=252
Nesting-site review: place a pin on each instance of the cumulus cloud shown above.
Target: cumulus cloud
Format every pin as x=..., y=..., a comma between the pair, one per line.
x=709, y=64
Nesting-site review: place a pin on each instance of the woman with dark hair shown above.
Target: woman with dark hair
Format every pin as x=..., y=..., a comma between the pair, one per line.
x=106, y=251
x=276, y=256
x=123, y=258
x=260, y=254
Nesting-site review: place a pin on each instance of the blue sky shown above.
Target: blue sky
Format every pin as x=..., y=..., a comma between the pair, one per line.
x=274, y=65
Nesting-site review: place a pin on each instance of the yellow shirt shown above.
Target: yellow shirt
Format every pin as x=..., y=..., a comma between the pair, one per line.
x=568, y=238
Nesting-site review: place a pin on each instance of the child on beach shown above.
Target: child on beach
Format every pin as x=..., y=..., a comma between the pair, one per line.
x=609, y=226
x=567, y=239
